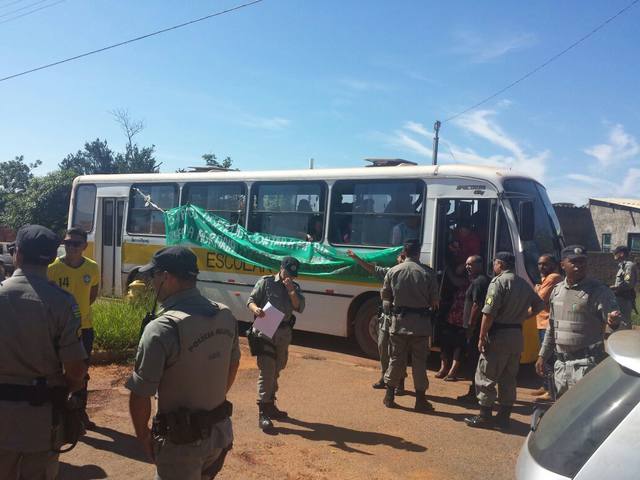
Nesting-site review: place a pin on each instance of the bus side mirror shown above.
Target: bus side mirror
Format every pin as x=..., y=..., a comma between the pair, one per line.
x=526, y=221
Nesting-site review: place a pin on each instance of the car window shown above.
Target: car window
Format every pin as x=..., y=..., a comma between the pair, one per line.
x=583, y=418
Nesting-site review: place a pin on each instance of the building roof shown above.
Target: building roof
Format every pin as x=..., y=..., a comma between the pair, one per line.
x=621, y=202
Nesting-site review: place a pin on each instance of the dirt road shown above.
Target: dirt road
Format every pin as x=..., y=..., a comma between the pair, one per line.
x=338, y=428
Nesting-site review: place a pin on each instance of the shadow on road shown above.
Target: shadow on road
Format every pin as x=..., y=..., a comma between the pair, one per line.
x=342, y=437
x=119, y=443
x=84, y=472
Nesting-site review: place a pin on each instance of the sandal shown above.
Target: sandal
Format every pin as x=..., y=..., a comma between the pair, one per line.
x=451, y=378
x=440, y=374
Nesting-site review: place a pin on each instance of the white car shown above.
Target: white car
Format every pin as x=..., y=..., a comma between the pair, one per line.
x=593, y=431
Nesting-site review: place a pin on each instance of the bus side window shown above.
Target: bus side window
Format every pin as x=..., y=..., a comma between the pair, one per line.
x=146, y=220
x=376, y=212
x=225, y=199
x=288, y=209
x=84, y=204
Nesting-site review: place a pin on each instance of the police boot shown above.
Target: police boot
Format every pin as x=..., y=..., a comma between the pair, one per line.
x=469, y=397
x=379, y=385
x=264, y=422
x=483, y=420
x=389, y=398
x=502, y=418
x=422, y=404
x=400, y=391
x=275, y=412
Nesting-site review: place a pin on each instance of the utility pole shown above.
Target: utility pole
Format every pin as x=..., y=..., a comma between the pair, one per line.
x=436, y=140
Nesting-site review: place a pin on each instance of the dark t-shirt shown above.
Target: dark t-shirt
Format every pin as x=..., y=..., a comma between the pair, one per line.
x=476, y=293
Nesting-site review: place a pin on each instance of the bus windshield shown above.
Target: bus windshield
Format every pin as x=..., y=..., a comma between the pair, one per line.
x=547, y=236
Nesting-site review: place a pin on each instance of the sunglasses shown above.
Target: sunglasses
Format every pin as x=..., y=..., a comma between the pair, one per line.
x=73, y=243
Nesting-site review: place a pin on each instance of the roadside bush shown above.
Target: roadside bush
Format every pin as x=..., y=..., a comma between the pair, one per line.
x=116, y=323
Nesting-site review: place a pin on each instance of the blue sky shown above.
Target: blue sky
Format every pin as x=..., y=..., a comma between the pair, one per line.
x=280, y=82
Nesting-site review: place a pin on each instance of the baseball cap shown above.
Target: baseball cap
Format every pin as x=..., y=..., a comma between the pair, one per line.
x=291, y=266
x=179, y=261
x=621, y=249
x=506, y=257
x=574, y=251
x=37, y=244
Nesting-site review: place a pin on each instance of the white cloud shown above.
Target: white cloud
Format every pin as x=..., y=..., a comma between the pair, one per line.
x=264, y=123
x=418, y=128
x=621, y=147
x=363, y=85
x=631, y=183
x=484, y=49
x=481, y=125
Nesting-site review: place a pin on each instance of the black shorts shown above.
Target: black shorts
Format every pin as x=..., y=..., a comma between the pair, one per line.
x=452, y=337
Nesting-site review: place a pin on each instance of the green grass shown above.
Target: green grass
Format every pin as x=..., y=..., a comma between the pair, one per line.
x=116, y=323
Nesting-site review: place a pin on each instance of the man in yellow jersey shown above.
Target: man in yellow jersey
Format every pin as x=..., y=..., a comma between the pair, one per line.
x=80, y=276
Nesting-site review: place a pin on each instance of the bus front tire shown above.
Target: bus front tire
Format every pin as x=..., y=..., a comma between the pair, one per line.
x=366, y=327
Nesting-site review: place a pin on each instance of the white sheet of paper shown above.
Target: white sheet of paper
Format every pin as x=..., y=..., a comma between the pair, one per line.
x=270, y=322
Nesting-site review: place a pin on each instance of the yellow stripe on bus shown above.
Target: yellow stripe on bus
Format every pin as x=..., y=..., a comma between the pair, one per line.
x=139, y=254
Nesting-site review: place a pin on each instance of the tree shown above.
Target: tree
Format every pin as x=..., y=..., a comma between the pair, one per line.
x=134, y=159
x=96, y=157
x=15, y=174
x=212, y=161
x=52, y=190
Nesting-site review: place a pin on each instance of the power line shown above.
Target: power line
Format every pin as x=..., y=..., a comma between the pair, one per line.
x=6, y=14
x=544, y=64
x=11, y=3
x=142, y=37
x=31, y=12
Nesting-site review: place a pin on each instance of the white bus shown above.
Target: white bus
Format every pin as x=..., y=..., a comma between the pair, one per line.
x=358, y=208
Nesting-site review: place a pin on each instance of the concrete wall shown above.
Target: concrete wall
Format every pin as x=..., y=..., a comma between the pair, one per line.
x=618, y=221
x=603, y=267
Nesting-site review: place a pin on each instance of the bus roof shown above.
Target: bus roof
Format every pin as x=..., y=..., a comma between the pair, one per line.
x=494, y=175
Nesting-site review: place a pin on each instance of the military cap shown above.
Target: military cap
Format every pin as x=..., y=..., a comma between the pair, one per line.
x=37, y=244
x=179, y=261
x=574, y=251
x=621, y=249
x=290, y=265
x=506, y=257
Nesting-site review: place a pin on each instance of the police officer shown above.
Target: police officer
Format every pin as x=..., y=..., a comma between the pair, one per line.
x=284, y=294
x=580, y=309
x=625, y=285
x=189, y=356
x=384, y=322
x=410, y=289
x=40, y=351
x=506, y=307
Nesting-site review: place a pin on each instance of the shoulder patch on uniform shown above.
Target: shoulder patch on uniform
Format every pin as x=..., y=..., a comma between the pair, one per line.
x=489, y=300
x=627, y=277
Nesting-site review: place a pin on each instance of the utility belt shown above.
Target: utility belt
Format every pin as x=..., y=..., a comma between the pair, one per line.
x=67, y=426
x=260, y=345
x=596, y=350
x=504, y=326
x=184, y=426
x=424, y=311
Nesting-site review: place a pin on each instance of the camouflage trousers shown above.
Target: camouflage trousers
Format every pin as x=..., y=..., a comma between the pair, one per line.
x=270, y=366
x=28, y=465
x=401, y=347
x=626, y=307
x=567, y=373
x=497, y=369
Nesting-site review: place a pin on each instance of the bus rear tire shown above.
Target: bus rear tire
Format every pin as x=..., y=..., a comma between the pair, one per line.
x=366, y=327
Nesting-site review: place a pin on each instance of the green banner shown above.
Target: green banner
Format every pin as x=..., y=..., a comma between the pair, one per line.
x=194, y=225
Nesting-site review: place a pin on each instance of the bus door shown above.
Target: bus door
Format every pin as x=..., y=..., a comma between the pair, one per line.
x=463, y=228
x=111, y=254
